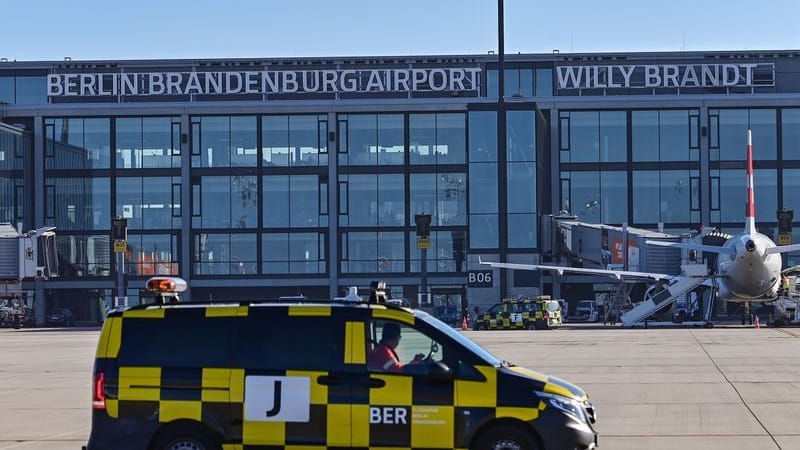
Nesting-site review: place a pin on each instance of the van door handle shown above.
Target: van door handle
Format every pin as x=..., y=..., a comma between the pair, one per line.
x=376, y=383
x=328, y=380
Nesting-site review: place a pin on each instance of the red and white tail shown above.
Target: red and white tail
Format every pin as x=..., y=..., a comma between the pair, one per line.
x=750, y=208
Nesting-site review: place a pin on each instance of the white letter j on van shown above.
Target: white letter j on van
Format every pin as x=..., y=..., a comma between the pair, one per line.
x=277, y=399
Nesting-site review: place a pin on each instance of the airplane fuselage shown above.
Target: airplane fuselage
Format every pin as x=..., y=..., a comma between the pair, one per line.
x=751, y=274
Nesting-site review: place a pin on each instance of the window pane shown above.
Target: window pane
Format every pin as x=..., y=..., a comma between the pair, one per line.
x=276, y=201
x=521, y=135
x=391, y=200
x=363, y=199
x=80, y=203
x=451, y=145
x=422, y=138
x=584, y=136
x=304, y=200
x=646, y=197
x=614, y=197
x=483, y=231
x=544, y=82
x=613, y=136
x=791, y=134
x=522, y=230
x=483, y=188
x=644, y=130
x=31, y=90
x=275, y=149
x=522, y=187
x=674, y=137
x=83, y=256
x=152, y=254
x=362, y=140
x=483, y=136
x=391, y=148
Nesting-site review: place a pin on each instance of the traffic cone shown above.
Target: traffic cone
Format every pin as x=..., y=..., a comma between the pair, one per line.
x=758, y=324
x=464, y=324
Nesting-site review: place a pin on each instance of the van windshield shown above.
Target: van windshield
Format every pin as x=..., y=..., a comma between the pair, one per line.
x=458, y=337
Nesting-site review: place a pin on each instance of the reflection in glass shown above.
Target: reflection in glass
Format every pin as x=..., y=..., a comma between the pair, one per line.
x=442, y=195
x=484, y=231
x=522, y=230
x=733, y=125
x=371, y=139
x=437, y=138
x=296, y=140
x=227, y=202
x=482, y=136
x=147, y=202
x=300, y=253
x=224, y=254
x=732, y=195
x=521, y=135
x=372, y=252
x=440, y=255
x=78, y=203
x=661, y=197
x=147, y=142
x=791, y=135
x=77, y=143
x=83, y=256
x=152, y=254
x=594, y=136
x=225, y=141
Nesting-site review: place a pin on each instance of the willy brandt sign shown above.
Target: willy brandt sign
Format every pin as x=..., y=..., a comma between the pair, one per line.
x=263, y=82
x=665, y=76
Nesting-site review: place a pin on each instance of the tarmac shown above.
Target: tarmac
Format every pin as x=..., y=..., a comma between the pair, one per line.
x=732, y=388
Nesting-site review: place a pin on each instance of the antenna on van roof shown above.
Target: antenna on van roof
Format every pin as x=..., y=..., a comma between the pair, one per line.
x=378, y=294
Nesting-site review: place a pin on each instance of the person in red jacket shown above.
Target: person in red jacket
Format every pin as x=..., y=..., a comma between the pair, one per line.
x=384, y=357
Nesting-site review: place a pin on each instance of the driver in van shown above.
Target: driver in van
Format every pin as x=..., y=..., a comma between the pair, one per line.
x=384, y=357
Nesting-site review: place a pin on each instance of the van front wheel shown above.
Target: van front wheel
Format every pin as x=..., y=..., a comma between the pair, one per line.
x=505, y=437
x=184, y=438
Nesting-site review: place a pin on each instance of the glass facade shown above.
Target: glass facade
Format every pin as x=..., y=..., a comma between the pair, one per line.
x=14, y=146
x=237, y=190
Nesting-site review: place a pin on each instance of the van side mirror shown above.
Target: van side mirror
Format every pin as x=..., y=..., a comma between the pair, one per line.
x=439, y=372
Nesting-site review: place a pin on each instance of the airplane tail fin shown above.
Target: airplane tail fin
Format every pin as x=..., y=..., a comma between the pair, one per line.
x=750, y=207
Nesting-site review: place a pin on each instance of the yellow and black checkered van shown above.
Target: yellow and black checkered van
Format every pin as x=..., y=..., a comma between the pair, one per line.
x=260, y=375
x=511, y=314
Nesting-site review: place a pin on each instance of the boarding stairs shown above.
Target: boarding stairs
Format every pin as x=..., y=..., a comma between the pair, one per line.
x=619, y=302
x=660, y=297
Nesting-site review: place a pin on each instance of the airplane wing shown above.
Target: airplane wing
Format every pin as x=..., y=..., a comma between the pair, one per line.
x=783, y=249
x=618, y=274
x=703, y=248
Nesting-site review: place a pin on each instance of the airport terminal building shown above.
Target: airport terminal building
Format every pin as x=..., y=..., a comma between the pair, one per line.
x=259, y=178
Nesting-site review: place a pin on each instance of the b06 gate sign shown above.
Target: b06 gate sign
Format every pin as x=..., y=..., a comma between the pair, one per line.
x=480, y=278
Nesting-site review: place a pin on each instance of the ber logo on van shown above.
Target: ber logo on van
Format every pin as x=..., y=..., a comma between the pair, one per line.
x=277, y=399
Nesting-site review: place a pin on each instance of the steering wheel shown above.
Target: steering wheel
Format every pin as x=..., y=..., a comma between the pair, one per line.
x=434, y=349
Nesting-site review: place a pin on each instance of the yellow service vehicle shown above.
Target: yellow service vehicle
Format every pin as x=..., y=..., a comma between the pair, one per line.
x=300, y=374
x=541, y=313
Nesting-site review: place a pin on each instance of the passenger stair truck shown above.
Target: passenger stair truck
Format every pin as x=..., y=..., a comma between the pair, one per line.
x=23, y=257
x=662, y=295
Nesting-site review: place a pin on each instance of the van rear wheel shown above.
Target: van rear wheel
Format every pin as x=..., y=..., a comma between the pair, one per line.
x=185, y=438
x=504, y=437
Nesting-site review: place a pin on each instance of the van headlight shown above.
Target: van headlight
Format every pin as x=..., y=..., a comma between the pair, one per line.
x=565, y=404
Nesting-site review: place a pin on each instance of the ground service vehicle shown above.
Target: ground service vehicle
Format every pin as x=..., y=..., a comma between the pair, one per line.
x=245, y=375
x=586, y=310
x=513, y=313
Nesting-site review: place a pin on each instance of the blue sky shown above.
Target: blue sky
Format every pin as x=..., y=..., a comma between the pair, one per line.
x=149, y=29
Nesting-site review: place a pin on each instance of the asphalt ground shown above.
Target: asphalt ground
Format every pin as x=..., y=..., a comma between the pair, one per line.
x=679, y=388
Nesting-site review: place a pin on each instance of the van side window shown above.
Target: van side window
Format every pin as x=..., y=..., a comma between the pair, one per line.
x=183, y=338
x=270, y=339
x=410, y=350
